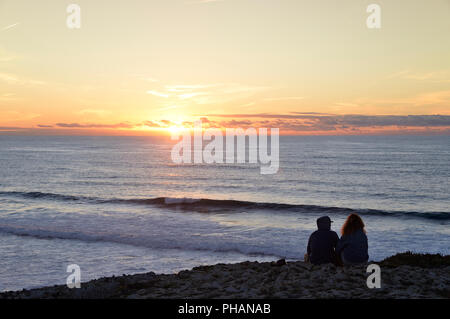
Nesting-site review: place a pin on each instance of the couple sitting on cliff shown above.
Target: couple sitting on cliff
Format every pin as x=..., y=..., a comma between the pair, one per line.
x=324, y=245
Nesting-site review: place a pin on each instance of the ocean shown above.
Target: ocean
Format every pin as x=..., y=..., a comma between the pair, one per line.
x=119, y=205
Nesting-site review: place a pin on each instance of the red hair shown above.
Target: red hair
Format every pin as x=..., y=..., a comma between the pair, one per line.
x=352, y=224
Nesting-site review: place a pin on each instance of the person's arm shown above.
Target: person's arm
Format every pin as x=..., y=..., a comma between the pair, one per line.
x=366, y=245
x=340, y=245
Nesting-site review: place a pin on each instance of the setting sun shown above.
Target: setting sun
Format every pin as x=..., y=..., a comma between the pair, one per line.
x=176, y=129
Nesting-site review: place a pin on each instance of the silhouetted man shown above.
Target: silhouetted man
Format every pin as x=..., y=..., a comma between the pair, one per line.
x=322, y=243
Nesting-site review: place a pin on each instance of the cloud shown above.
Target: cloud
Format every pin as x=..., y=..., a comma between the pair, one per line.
x=441, y=76
x=151, y=124
x=8, y=78
x=8, y=97
x=10, y=128
x=10, y=26
x=190, y=95
x=166, y=122
x=311, y=122
x=159, y=94
x=201, y=94
x=287, y=98
x=78, y=125
x=311, y=113
x=300, y=123
x=189, y=87
x=122, y=125
x=15, y=80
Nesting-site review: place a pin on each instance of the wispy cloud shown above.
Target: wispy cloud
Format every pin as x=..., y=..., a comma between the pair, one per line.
x=9, y=78
x=191, y=95
x=159, y=94
x=170, y=107
x=16, y=80
x=8, y=97
x=205, y=93
x=10, y=26
x=95, y=125
x=440, y=76
x=287, y=98
x=151, y=124
x=183, y=88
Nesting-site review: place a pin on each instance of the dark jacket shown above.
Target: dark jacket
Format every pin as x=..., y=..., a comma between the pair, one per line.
x=322, y=243
x=354, y=247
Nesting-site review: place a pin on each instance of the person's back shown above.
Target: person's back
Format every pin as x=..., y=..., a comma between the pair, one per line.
x=322, y=243
x=353, y=246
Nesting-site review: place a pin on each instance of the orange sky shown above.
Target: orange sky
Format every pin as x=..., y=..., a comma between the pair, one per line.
x=148, y=67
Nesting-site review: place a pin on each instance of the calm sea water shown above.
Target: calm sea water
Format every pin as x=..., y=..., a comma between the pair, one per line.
x=117, y=205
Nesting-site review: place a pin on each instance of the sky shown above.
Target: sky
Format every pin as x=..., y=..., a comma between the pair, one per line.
x=151, y=66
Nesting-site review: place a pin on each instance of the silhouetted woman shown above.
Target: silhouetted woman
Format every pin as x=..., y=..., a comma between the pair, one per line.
x=352, y=247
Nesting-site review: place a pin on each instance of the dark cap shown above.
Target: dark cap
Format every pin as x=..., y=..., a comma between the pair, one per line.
x=324, y=223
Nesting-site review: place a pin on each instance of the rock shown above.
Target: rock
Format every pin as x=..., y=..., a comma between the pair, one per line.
x=260, y=280
x=280, y=262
